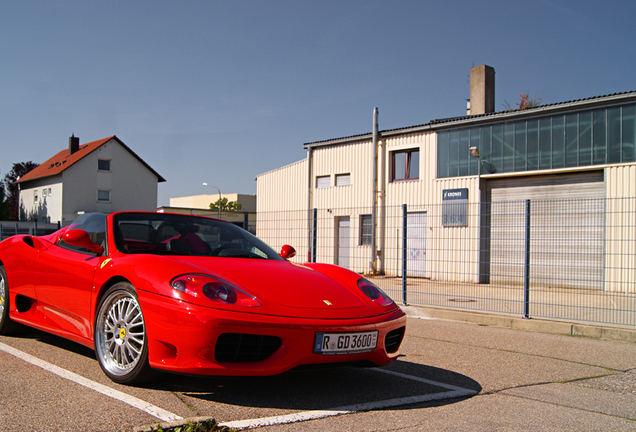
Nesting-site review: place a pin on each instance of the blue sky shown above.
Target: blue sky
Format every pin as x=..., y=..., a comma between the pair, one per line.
x=221, y=91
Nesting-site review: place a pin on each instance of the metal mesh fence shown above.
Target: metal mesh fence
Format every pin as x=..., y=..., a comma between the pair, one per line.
x=571, y=260
x=8, y=229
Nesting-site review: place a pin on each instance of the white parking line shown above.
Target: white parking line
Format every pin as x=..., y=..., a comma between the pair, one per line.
x=146, y=407
x=454, y=392
x=166, y=416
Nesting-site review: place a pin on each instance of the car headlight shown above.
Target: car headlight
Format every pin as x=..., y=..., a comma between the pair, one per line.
x=372, y=291
x=218, y=290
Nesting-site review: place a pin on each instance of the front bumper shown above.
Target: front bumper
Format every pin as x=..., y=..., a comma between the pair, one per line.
x=182, y=338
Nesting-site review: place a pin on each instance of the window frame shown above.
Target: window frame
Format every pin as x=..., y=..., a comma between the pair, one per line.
x=407, y=164
x=99, y=168
x=343, y=176
x=103, y=200
x=365, y=239
x=318, y=178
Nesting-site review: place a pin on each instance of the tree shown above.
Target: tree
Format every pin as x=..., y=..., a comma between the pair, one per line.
x=525, y=102
x=4, y=205
x=9, y=185
x=223, y=204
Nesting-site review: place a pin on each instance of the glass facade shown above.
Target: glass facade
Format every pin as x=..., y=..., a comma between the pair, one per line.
x=590, y=137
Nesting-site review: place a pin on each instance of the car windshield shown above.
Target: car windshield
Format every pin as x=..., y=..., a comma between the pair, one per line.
x=172, y=234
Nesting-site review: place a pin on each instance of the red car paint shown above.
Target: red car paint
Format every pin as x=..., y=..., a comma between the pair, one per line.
x=56, y=287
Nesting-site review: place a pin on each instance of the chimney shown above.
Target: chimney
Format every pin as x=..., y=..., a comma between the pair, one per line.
x=73, y=144
x=482, y=90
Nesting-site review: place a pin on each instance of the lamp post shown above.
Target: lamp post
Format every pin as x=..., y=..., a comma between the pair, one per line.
x=474, y=151
x=205, y=184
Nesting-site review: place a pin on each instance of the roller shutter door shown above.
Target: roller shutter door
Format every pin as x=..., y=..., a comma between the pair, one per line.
x=567, y=218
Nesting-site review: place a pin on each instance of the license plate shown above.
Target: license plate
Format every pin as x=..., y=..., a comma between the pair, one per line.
x=345, y=343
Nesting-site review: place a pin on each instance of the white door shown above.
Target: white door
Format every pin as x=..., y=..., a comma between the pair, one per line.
x=342, y=241
x=416, y=245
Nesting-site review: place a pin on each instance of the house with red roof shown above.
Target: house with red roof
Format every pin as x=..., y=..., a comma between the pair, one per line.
x=99, y=176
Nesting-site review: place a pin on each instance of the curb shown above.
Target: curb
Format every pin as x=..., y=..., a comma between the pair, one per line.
x=516, y=323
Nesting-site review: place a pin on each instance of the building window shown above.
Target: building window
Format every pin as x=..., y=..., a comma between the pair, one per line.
x=35, y=196
x=44, y=193
x=323, y=182
x=366, y=230
x=405, y=165
x=103, y=195
x=50, y=192
x=343, y=179
x=103, y=165
x=588, y=137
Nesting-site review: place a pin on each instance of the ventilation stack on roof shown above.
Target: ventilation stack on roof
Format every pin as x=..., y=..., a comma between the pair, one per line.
x=482, y=90
x=73, y=144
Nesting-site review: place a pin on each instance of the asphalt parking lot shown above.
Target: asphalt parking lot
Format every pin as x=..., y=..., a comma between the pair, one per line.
x=451, y=376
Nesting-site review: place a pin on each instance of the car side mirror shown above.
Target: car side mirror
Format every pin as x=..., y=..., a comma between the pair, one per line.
x=80, y=238
x=287, y=252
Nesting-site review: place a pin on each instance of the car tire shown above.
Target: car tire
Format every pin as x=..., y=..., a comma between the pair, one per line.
x=121, y=343
x=6, y=325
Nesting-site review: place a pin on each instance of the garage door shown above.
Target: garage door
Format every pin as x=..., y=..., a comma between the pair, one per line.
x=567, y=218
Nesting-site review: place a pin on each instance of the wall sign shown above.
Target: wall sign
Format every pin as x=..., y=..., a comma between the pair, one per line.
x=454, y=207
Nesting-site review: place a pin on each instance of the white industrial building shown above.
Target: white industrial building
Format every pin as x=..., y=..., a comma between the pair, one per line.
x=577, y=149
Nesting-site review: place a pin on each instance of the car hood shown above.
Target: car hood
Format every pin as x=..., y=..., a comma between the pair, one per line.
x=290, y=289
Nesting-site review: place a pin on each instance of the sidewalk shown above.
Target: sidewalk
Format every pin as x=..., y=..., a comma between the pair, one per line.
x=616, y=333
x=605, y=315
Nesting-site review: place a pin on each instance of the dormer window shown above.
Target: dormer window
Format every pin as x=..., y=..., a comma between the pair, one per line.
x=103, y=165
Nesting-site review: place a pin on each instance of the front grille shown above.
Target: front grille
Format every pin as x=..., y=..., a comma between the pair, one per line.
x=393, y=339
x=242, y=348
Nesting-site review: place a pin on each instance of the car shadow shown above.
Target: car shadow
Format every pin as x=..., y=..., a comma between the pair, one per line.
x=25, y=332
x=325, y=389
x=317, y=389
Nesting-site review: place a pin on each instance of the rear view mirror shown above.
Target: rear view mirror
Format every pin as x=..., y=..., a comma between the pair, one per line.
x=81, y=238
x=287, y=252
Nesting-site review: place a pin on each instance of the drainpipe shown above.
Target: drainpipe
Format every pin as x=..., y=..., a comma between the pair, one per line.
x=374, y=200
x=381, y=205
x=309, y=208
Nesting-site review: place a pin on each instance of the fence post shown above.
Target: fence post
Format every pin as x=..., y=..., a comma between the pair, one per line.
x=404, y=219
x=314, y=235
x=526, y=270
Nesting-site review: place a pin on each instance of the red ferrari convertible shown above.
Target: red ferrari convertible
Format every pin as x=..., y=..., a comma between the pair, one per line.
x=191, y=295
